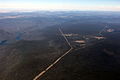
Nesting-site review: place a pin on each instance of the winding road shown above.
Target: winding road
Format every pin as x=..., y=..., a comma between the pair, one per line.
x=38, y=77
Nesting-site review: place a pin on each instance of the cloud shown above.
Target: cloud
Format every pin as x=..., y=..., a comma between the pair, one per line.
x=59, y=6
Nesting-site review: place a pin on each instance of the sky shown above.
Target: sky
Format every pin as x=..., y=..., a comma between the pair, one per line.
x=106, y=5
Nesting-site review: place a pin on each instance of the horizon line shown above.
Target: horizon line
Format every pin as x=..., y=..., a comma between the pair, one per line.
x=35, y=10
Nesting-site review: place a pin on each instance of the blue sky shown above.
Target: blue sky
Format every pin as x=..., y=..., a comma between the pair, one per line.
x=61, y=4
